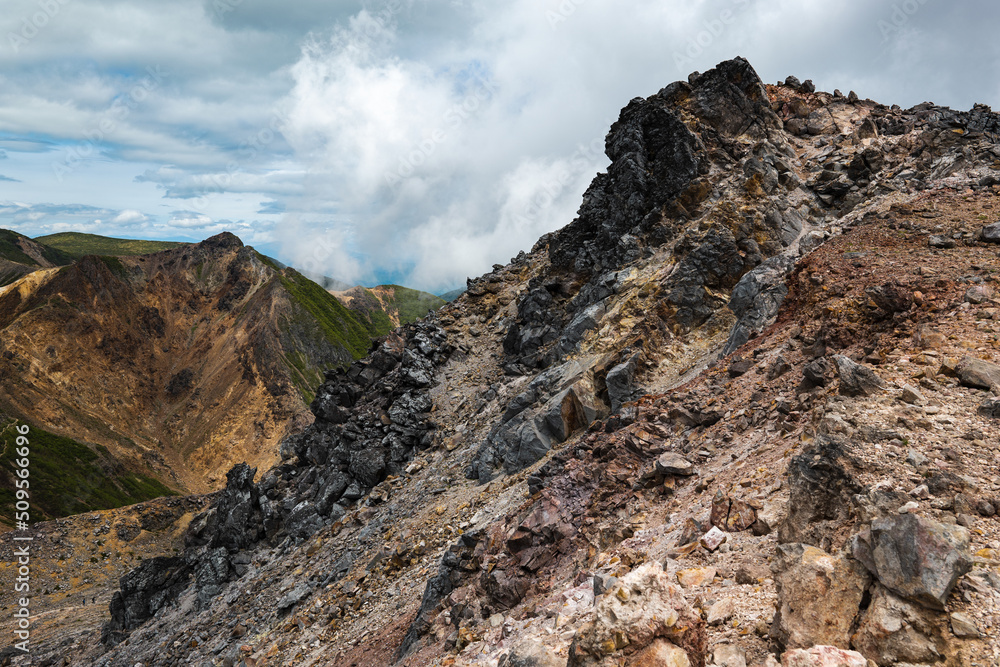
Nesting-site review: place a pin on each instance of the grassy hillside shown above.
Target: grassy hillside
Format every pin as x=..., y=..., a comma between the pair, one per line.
x=339, y=324
x=67, y=477
x=11, y=250
x=77, y=244
x=453, y=294
x=411, y=304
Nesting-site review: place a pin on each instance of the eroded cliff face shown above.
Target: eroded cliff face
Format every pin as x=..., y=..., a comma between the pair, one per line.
x=559, y=468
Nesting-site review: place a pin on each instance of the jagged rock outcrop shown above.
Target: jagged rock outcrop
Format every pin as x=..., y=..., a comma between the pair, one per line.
x=370, y=420
x=660, y=175
x=756, y=299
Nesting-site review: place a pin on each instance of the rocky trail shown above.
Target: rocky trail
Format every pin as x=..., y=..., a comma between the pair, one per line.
x=742, y=411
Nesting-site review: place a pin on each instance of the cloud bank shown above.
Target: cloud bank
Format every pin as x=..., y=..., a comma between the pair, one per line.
x=412, y=141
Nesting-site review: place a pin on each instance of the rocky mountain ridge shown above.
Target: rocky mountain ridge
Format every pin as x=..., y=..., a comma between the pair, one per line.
x=735, y=412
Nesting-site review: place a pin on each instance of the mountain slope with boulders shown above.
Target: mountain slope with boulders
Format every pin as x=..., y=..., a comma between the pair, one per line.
x=741, y=411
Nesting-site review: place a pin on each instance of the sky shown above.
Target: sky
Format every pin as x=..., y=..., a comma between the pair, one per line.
x=409, y=141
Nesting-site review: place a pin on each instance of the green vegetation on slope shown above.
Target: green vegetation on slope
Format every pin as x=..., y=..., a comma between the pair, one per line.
x=78, y=245
x=339, y=325
x=10, y=250
x=413, y=304
x=453, y=294
x=66, y=477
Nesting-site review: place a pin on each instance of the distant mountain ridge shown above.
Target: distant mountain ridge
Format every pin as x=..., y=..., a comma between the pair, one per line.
x=20, y=255
x=79, y=244
x=179, y=362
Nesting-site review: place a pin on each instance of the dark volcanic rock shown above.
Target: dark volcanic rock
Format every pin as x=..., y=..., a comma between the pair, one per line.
x=855, y=379
x=891, y=298
x=656, y=181
x=457, y=564
x=238, y=511
x=340, y=457
x=916, y=558
x=143, y=592
x=991, y=233
x=756, y=299
x=820, y=490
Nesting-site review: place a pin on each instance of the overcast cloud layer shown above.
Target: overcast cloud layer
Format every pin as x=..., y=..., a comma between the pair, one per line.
x=413, y=141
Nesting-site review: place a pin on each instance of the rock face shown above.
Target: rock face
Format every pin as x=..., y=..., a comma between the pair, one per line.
x=756, y=299
x=916, y=558
x=658, y=171
x=819, y=597
x=143, y=592
x=348, y=449
x=560, y=460
x=557, y=403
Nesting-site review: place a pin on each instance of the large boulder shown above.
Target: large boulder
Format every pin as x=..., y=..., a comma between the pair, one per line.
x=977, y=373
x=643, y=607
x=893, y=630
x=915, y=557
x=821, y=485
x=819, y=597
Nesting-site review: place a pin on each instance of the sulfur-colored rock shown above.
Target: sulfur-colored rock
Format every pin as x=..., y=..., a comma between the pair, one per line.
x=694, y=577
x=819, y=597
